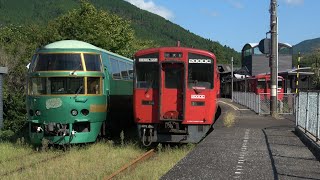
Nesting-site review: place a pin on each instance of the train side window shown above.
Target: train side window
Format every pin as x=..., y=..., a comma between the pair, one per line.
x=130, y=70
x=33, y=62
x=115, y=69
x=93, y=62
x=93, y=85
x=123, y=70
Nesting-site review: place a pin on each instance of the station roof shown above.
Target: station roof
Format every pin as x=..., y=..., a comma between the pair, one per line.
x=253, y=45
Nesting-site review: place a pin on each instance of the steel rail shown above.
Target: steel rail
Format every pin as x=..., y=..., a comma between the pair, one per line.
x=23, y=168
x=133, y=163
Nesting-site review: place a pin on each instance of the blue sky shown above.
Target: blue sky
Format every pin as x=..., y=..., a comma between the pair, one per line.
x=236, y=22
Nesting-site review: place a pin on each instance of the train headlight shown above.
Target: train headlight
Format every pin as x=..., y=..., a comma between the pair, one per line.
x=37, y=112
x=74, y=112
x=85, y=112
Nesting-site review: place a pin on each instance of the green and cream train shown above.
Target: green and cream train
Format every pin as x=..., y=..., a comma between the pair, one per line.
x=74, y=92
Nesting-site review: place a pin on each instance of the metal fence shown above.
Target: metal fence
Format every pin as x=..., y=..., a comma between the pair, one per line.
x=261, y=103
x=307, y=116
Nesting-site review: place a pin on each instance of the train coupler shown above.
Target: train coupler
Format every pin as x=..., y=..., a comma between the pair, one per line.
x=147, y=133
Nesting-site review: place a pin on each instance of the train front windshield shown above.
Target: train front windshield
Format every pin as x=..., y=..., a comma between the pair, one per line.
x=280, y=84
x=147, y=75
x=66, y=62
x=200, y=72
x=55, y=61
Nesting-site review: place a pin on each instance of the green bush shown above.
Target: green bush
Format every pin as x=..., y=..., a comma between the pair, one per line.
x=6, y=135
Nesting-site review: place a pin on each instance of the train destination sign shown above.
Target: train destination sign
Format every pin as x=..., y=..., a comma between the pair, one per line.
x=203, y=61
x=148, y=59
x=198, y=96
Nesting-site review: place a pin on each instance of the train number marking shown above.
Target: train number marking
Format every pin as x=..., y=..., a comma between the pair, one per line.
x=148, y=59
x=203, y=61
x=198, y=96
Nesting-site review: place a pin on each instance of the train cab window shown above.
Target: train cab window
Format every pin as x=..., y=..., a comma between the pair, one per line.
x=280, y=83
x=147, y=75
x=93, y=62
x=56, y=85
x=93, y=85
x=56, y=61
x=261, y=84
x=123, y=70
x=66, y=85
x=200, y=72
x=115, y=70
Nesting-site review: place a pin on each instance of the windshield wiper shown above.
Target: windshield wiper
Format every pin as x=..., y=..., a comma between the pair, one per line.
x=80, y=88
x=72, y=73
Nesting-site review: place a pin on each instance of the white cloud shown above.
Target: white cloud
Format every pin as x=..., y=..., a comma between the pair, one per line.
x=294, y=2
x=152, y=7
x=236, y=4
x=210, y=13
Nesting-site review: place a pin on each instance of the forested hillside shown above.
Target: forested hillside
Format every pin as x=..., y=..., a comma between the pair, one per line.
x=307, y=46
x=147, y=26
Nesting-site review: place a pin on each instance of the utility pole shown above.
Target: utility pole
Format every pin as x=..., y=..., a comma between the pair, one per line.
x=231, y=79
x=273, y=57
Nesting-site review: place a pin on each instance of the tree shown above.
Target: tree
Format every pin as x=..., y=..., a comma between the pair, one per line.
x=18, y=44
x=97, y=27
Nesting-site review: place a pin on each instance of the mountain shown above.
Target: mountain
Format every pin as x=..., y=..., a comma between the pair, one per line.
x=307, y=46
x=147, y=26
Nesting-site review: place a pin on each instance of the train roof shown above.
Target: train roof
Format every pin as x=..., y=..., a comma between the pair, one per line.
x=70, y=44
x=76, y=45
x=173, y=48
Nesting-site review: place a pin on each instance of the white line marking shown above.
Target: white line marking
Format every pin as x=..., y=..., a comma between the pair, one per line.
x=242, y=153
x=234, y=107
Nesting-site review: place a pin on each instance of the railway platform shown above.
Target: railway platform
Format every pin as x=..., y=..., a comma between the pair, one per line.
x=253, y=147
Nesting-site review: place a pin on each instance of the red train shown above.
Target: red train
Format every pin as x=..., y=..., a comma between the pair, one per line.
x=176, y=90
x=259, y=84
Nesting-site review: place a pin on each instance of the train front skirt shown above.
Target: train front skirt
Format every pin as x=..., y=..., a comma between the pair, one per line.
x=194, y=134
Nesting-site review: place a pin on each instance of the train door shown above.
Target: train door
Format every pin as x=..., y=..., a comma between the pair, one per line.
x=171, y=91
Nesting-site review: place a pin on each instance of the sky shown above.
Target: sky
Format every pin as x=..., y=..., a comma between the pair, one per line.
x=236, y=22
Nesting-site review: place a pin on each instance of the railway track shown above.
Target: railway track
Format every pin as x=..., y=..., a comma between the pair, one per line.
x=17, y=157
x=132, y=164
x=23, y=168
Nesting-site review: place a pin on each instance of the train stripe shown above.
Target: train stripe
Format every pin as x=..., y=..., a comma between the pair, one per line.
x=98, y=108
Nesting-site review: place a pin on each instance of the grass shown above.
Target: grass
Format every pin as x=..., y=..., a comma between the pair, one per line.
x=158, y=165
x=9, y=151
x=95, y=161
x=229, y=119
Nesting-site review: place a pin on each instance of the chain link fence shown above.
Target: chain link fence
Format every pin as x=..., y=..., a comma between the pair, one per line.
x=307, y=116
x=261, y=103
